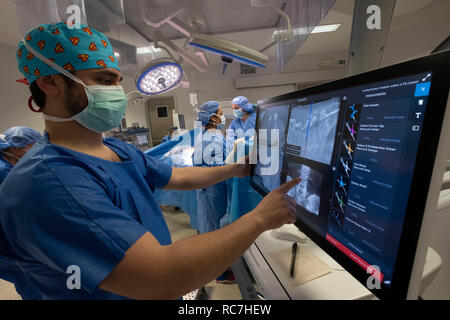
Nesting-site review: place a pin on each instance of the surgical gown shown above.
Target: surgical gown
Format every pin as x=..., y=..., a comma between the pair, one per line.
x=240, y=130
x=60, y=208
x=5, y=168
x=212, y=201
x=238, y=124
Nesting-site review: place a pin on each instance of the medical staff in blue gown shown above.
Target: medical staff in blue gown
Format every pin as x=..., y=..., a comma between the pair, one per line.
x=212, y=201
x=244, y=124
x=245, y=115
x=14, y=143
x=78, y=216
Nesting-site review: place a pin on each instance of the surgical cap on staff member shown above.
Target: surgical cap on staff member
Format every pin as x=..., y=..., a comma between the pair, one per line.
x=207, y=110
x=244, y=104
x=71, y=49
x=18, y=137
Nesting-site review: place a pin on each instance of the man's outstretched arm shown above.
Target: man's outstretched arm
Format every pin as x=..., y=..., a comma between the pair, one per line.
x=193, y=178
x=152, y=271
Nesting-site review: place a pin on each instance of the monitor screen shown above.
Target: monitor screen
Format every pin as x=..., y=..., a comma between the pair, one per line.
x=273, y=120
x=142, y=139
x=355, y=149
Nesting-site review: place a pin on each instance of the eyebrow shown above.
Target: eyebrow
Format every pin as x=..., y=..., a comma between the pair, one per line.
x=110, y=73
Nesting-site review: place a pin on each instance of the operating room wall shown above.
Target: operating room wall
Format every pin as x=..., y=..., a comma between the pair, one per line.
x=136, y=112
x=14, y=96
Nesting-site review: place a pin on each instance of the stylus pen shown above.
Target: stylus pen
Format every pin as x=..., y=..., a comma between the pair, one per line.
x=293, y=257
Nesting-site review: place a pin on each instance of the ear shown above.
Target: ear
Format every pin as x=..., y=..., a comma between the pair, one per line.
x=215, y=119
x=51, y=85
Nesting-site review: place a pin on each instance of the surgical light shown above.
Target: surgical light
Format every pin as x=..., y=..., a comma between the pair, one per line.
x=228, y=49
x=160, y=76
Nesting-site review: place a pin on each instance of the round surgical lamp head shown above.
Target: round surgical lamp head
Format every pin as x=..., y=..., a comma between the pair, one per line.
x=160, y=76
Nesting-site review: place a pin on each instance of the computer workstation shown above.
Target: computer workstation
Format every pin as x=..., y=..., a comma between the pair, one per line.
x=371, y=151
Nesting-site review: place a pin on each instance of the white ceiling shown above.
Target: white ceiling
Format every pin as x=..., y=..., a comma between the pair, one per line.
x=222, y=14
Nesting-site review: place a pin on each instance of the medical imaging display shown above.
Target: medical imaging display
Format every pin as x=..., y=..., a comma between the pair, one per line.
x=312, y=128
x=272, y=121
x=307, y=192
x=350, y=148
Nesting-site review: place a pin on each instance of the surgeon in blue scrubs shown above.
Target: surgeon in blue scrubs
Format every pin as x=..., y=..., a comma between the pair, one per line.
x=244, y=123
x=78, y=219
x=245, y=114
x=212, y=201
x=14, y=143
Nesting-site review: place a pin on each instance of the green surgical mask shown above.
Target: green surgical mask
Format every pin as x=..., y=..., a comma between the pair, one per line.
x=105, y=110
x=106, y=104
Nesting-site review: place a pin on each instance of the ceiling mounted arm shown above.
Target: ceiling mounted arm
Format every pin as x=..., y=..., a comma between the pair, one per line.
x=283, y=36
x=160, y=37
x=157, y=25
x=178, y=25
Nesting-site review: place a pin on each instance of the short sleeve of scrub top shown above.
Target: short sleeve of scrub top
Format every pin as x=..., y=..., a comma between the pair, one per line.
x=158, y=173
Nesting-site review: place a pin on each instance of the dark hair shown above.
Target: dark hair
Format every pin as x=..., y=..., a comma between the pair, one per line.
x=39, y=95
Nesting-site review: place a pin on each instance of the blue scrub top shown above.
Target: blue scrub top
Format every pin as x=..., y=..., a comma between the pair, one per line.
x=238, y=124
x=5, y=168
x=60, y=208
x=240, y=130
x=212, y=141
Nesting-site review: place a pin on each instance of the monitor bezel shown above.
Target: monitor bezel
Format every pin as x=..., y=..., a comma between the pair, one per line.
x=431, y=131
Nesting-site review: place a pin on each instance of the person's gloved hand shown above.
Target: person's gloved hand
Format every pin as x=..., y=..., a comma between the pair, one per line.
x=277, y=209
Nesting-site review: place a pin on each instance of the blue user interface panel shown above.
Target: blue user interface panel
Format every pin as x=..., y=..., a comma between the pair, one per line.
x=355, y=150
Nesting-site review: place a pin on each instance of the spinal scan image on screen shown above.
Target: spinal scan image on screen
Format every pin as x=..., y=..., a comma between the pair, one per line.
x=274, y=118
x=307, y=192
x=312, y=127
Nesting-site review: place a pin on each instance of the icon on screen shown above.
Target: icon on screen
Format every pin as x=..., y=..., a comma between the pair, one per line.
x=415, y=128
x=337, y=218
x=421, y=101
x=349, y=148
x=351, y=130
x=422, y=89
x=427, y=77
x=345, y=167
x=339, y=201
x=342, y=184
x=353, y=113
